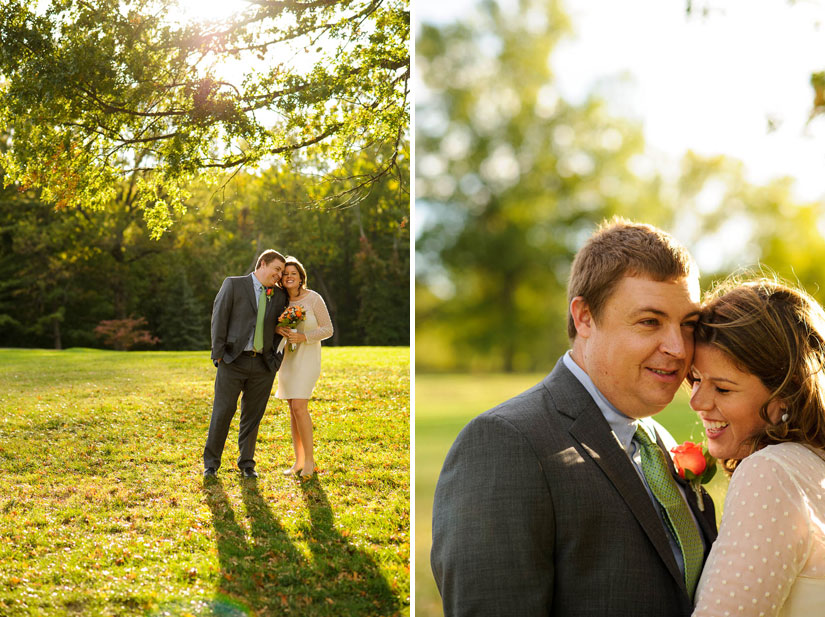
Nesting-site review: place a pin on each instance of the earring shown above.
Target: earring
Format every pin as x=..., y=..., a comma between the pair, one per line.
x=785, y=417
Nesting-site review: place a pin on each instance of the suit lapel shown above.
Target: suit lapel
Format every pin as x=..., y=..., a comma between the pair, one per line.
x=271, y=305
x=591, y=430
x=599, y=442
x=250, y=288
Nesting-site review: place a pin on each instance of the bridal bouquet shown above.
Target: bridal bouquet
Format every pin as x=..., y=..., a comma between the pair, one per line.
x=290, y=318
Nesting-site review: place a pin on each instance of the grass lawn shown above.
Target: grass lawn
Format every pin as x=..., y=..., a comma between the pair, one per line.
x=443, y=405
x=103, y=509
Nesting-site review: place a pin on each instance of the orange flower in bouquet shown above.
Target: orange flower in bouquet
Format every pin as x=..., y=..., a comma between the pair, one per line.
x=290, y=318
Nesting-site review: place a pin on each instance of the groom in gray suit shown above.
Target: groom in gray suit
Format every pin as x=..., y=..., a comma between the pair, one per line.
x=245, y=306
x=542, y=506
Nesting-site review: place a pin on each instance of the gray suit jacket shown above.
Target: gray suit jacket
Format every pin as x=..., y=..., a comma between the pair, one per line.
x=234, y=314
x=539, y=511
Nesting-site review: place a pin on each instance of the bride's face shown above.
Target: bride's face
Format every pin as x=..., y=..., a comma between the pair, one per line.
x=292, y=278
x=728, y=401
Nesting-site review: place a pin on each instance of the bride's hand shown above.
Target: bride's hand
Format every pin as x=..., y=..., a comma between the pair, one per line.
x=296, y=337
x=283, y=330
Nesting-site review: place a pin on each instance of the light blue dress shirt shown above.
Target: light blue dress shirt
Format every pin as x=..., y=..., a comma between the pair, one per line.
x=258, y=287
x=625, y=428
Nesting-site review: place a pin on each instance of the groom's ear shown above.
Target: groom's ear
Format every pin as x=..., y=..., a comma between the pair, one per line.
x=582, y=317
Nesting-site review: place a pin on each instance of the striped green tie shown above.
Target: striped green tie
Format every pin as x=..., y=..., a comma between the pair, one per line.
x=258, y=341
x=678, y=517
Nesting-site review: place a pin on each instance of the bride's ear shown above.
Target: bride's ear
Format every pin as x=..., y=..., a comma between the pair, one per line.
x=778, y=411
x=582, y=317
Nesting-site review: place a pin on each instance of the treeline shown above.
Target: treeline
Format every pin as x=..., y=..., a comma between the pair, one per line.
x=70, y=276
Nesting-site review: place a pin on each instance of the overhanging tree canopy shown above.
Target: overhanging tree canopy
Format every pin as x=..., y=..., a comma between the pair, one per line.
x=97, y=93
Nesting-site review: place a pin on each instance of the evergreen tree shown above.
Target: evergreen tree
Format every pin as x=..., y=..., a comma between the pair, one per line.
x=181, y=322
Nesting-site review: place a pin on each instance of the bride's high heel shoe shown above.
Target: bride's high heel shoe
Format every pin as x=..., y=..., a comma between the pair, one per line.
x=310, y=469
x=294, y=470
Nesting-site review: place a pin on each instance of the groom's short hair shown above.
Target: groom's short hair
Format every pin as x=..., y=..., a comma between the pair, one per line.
x=267, y=256
x=622, y=248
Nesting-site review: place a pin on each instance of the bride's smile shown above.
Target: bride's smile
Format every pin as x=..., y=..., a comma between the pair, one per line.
x=714, y=429
x=727, y=400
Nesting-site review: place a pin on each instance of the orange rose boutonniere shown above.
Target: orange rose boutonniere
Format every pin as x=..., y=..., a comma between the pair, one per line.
x=696, y=465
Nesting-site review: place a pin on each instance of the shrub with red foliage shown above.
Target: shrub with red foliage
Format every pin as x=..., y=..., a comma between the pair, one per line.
x=124, y=334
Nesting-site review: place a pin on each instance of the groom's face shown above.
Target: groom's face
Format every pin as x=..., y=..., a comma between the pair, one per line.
x=271, y=272
x=639, y=349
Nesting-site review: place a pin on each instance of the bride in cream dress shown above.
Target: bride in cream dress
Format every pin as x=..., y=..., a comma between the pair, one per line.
x=301, y=367
x=758, y=380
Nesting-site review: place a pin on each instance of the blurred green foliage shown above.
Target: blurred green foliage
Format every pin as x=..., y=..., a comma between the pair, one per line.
x=511, y=179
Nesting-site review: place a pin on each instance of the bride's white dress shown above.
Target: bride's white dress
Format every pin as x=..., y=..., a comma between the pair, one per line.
x=301, y=368
x=769, y=558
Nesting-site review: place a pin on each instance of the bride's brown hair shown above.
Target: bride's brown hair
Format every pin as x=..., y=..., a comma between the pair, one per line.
x=777, y=333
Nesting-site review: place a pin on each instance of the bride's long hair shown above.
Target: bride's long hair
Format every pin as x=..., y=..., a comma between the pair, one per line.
x=777, y=333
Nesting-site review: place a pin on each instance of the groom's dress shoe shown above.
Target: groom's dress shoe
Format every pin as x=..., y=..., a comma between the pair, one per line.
x=249, y=472
x=210, y=472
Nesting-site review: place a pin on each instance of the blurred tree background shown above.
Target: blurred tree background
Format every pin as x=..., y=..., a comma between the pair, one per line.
x=143, y=159
x=511, y=178
x=64, y=271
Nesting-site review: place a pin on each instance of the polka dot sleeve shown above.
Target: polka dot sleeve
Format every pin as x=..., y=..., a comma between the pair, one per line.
x=319, y=308
x=763, y=543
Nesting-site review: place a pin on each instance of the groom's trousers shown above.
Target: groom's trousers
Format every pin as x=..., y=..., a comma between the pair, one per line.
x=252, y=377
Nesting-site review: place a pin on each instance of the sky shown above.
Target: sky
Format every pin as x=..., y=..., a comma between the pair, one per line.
x=711, y=84
x=207, y=10
x=210, y=12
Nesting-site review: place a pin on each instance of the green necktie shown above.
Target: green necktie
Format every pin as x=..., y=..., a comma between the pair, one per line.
x=258, y=341
x=678, y=517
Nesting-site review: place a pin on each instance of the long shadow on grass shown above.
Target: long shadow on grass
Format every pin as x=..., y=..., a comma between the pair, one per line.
x=265, y=572
x=355, y=580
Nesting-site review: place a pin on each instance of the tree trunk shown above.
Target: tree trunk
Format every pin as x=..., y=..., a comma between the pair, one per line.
x=58, y=339
x=333, y=310
x=356, y=209
x=509, y=347
x=258, y=250
x=120, y=299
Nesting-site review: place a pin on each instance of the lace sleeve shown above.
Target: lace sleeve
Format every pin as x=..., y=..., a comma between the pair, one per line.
x=763, y=543
x=319, y=308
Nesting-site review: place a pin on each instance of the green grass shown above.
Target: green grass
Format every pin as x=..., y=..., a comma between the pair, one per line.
x=103, y=509
x=443, y=405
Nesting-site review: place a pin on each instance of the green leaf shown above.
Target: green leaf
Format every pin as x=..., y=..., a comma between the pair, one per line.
x=709, y=472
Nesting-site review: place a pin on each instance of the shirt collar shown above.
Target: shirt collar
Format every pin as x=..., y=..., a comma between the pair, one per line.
x=256, y=282
x=623, y=426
